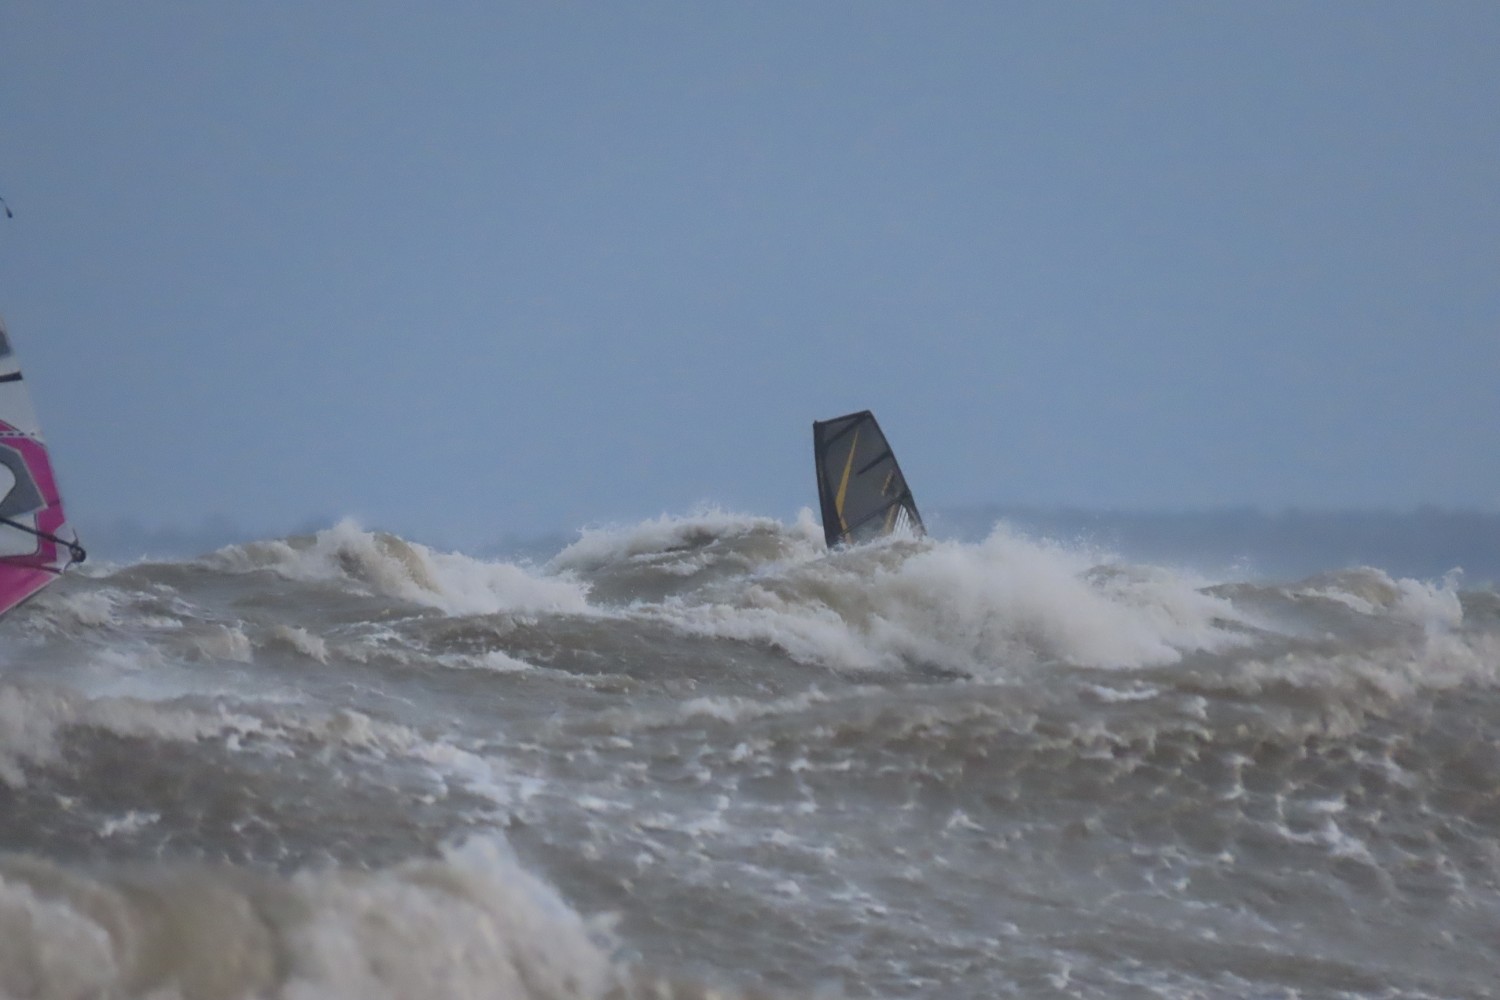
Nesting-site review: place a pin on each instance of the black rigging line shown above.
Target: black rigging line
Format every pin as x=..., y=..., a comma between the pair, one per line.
x=75, y=551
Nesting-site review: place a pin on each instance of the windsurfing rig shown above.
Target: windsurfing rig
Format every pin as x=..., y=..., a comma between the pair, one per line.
x=34, y=545
x=861, y=490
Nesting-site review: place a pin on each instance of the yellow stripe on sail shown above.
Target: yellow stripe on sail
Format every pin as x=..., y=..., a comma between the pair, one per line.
x=838, y=501
x=885, y=491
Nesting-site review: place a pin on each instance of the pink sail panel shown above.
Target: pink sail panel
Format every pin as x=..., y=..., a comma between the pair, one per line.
x=36, y=544
x=23, y=573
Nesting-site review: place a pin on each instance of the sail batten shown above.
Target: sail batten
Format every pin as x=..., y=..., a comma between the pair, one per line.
x=36, y=543
x=861, y=490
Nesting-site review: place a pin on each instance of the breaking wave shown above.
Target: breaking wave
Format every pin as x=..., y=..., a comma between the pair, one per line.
x=970, y=609
x=471, y=923
x=383, y=564
x=975, y=609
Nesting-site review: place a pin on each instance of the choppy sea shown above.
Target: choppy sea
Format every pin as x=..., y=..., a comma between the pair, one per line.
x=704, y=756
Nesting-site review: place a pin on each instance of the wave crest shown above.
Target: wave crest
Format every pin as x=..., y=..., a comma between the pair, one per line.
x=471, y=923
x=384, y=564
x=968, y=608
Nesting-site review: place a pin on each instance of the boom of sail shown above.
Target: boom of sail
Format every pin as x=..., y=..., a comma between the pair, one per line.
x=33, y=549
x=860, y=487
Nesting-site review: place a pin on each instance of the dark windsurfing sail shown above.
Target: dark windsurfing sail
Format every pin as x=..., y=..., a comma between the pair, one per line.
x=860, y=486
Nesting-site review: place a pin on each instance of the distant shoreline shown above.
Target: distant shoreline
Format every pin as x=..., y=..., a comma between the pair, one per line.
x=1426, y=542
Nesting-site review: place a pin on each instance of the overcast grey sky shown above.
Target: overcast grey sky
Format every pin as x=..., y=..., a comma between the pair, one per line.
x=480, y=268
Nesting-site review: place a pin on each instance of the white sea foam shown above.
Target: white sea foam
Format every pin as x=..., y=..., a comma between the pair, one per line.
x=1350, y=679
x=968, y=608
x=1110, y=695
x=732, y=709
x=32, y=716
x=1369, y=591
x=220, y=642
x=446, y=761
x=384, y=564
x=302, y=641
x=89, y=609
x=33, y=719
x=669, y=533
x=131, y=822
x=472, y=923
x=496, y=660
x=1433, y=606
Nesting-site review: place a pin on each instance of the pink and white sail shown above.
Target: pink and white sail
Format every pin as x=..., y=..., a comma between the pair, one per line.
x=36, y=544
